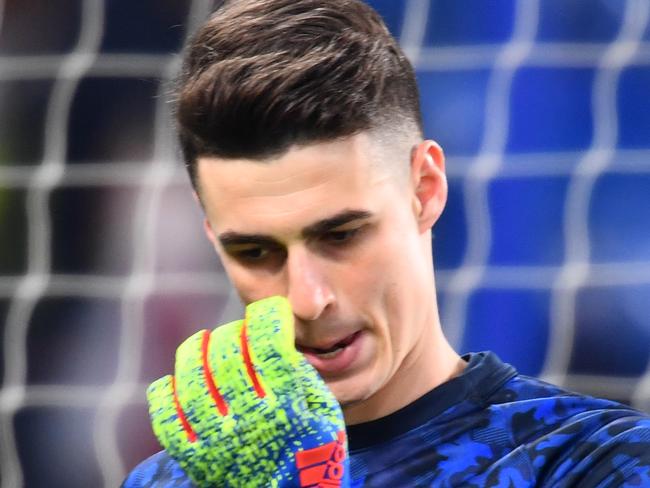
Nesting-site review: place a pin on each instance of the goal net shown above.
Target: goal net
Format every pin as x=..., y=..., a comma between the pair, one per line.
x=542, y=255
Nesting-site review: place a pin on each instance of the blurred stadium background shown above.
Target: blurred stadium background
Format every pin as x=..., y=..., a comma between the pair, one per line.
x=542, y=255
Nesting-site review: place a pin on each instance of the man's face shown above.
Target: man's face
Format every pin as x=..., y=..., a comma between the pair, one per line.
x=339, y=235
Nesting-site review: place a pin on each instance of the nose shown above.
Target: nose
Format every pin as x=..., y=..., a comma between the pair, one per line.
x=308, y=291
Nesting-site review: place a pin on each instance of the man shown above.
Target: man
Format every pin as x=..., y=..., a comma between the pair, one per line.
x=300, y=125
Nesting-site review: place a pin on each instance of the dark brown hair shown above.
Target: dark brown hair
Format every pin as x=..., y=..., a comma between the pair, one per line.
x=262, y=75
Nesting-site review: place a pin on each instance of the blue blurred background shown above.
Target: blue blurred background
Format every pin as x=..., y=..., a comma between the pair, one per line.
x=542, y=255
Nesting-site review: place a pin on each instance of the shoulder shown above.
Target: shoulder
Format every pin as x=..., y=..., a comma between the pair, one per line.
x=158, y=471
x=575, y=438
x=532, y=408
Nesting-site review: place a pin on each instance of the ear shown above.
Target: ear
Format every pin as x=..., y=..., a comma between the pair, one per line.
x=429, y=183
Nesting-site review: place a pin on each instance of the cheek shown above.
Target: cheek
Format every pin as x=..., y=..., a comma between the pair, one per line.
x=250, y=287
x=363, y=279
x=376, y=277
x=393, y=272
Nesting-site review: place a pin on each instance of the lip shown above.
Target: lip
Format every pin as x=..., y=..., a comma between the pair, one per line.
x=339, y=363
x=325, y=344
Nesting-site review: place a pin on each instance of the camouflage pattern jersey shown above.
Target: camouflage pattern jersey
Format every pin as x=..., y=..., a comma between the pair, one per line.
x=489, y=427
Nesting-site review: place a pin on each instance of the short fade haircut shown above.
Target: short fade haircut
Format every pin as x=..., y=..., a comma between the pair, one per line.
x=263, y=75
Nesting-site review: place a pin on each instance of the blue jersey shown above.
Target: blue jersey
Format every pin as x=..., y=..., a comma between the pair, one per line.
x=488, y=427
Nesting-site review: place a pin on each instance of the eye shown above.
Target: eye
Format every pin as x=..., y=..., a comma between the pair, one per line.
x=255, y=253
x=249, y=253
x=341, y=236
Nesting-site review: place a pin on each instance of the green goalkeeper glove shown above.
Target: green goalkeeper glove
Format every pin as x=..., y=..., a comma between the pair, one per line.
x=245, y=408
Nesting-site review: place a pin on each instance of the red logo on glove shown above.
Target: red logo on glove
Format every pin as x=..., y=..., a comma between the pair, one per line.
x=322, y=467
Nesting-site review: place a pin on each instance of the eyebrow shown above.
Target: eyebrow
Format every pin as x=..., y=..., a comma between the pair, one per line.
x=231, y=238
x=342, y=218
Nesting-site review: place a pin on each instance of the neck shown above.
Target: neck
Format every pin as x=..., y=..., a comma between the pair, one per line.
x=430, y=363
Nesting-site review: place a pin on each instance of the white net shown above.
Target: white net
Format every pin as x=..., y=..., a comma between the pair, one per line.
x=542, y=253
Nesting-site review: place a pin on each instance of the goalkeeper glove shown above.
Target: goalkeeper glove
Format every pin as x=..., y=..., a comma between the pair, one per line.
x=245, y=408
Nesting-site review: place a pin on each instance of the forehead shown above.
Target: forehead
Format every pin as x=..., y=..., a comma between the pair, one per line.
x=303, y=185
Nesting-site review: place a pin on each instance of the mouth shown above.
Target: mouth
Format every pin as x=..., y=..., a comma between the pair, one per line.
x=328, y=351
x=333, y=357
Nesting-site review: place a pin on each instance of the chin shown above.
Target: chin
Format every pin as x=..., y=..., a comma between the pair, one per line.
x=349, y=393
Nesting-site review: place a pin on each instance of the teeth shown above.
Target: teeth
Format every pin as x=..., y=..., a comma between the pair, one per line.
x=330, y=354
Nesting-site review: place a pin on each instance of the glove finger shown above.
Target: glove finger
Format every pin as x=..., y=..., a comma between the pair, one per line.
x=259, y=423
x=209, y=380
x=318, y=397
x=226, y=358
x=168, y=423
x=270, y=337
x=213, y=389
x=204, y=465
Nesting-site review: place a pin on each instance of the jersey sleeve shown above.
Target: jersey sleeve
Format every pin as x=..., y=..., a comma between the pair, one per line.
x=158, y=471
x=600, y=449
